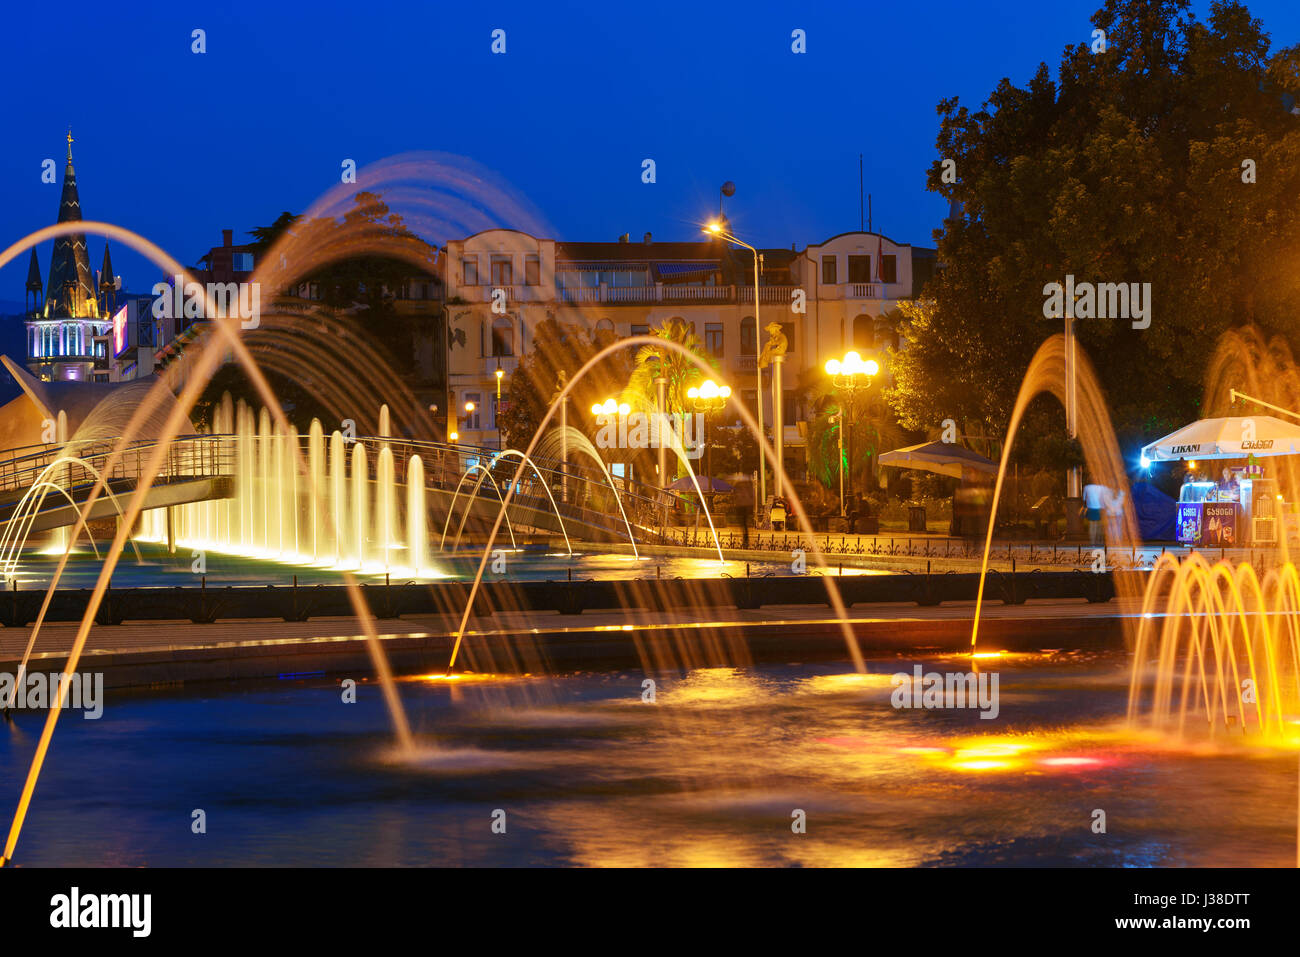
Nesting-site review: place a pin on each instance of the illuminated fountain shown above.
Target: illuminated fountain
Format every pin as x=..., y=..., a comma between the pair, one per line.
x=356, y=523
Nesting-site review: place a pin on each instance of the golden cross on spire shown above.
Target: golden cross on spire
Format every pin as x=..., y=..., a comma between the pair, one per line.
x=69, y=143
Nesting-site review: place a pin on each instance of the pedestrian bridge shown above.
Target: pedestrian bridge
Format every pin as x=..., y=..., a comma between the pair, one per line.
x=207, y=468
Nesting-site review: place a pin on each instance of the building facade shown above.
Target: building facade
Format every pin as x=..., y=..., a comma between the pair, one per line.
x=834, y=296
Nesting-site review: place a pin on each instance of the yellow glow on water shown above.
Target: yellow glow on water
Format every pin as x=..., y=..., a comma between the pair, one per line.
x=821, y=684
x=459, y=676
x=984, y=764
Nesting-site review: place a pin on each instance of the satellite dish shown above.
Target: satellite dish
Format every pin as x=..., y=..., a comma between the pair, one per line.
x=728, y=188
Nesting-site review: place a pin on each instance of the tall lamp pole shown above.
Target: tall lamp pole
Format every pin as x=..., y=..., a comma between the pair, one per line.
x=715, y=229
x=848, y=375
x=709, y=397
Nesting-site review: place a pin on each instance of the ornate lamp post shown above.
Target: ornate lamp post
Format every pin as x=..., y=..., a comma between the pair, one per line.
x=849, y=375
x=706, y=398
x=612, y=407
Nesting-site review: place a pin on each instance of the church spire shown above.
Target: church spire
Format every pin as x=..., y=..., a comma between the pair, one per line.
x=71, y=284
x=107, y=286
x=34, y=285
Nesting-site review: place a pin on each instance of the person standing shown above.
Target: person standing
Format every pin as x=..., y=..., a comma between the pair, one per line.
x=1094, y=499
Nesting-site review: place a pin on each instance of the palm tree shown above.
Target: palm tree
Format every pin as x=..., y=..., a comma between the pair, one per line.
x=653, y=361
x=872, y=429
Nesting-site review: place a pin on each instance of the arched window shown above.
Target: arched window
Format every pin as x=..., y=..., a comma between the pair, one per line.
x=748, y=337
x=864, y=333
x=503, y=337
x=604, y=329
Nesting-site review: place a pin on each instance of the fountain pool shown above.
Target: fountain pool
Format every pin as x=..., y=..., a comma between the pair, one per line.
x=710, y=773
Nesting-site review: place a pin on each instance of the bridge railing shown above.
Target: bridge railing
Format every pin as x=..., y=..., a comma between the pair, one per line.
x=187, y=457
x=581, y=491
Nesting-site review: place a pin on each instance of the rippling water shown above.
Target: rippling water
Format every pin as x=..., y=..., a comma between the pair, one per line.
x=587, y=773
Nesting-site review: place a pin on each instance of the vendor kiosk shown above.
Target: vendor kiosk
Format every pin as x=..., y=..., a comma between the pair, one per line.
x=1238, y=509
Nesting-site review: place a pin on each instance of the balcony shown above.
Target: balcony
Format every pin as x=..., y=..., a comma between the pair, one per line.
x=697, y=293
x=781, y=295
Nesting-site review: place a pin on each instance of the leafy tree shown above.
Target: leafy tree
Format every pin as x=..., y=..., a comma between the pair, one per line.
x=558, y=351
x=1129, y=167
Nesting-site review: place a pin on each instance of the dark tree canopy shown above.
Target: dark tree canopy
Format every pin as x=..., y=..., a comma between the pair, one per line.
x=1129, y=167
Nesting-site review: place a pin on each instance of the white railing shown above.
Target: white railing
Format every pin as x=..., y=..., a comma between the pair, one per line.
x=778, y=294
x=698, y=293
x=507, y=364
x=862, y=290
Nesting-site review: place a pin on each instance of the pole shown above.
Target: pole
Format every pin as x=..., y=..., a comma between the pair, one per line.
x=758, y=338
x=844, y=425
x=661, y=384
x=840, y=417
x=708, y=454
x=860, y=216
x=778, y=422
x=564, y=451
x=497, y=411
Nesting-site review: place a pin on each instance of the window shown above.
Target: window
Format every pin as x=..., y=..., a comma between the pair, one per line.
x=469, y=269
x=859, y=269
x=502, y=270
x=470, y=422
x=864, y=333
x=639, y=330
x=828, y=271
x=713, y=339
x=242, y=262
x=748, y=337
x=889, y=269
x=503, y=337
x=532, y=270
x=604, y=329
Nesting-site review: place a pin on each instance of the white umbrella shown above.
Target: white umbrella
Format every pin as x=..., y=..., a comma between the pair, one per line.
x=1233, y=437
x=942, y=458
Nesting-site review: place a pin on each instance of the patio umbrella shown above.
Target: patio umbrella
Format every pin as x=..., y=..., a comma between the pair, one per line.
x=1232, y=437
x=684, y=484
x=942, y=458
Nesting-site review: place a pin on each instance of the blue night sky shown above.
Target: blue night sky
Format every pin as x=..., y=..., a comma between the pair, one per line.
x=177, y=146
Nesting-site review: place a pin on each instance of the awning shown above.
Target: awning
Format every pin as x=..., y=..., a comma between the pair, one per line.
x=1232, y=437
x=942, y=458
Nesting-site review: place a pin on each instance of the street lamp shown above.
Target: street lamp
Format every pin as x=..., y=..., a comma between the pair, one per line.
x=496, y=413
x=611, y=407
x=706, y=398
x=715, y=229
x=849, y=375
